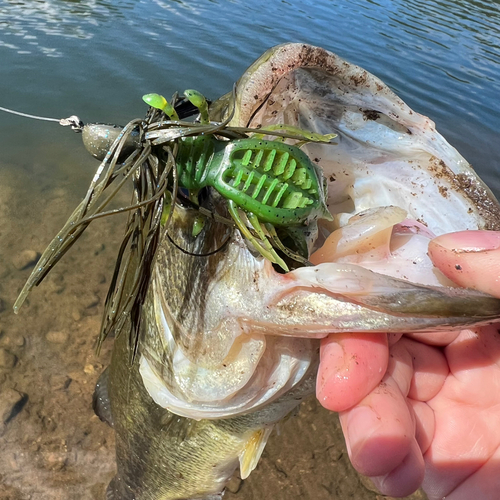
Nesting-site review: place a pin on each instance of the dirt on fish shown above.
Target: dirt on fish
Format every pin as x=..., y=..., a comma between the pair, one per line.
x=53, y=446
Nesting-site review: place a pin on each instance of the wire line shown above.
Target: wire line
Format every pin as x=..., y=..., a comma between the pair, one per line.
x=29, y=116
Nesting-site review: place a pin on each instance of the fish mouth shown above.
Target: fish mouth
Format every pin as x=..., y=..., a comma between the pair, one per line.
x=393, y=184
x=385, y=154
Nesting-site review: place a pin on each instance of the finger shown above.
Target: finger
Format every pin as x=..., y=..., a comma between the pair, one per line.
x=380, y=430
x=469, y=258
x=418, y=369
x=474, y=360
x=351, y=365
x=426, y=379
x=430, y=370
x=425, y=424
x=434, y=338
x=406, y=477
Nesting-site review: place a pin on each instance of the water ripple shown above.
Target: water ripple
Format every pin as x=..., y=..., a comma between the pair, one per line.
x=53, y=18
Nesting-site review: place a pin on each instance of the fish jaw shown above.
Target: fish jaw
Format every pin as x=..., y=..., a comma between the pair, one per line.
x=334, y=298
x=250, y=334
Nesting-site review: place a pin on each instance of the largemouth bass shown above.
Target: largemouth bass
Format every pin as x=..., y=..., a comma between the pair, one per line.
x=223, y=346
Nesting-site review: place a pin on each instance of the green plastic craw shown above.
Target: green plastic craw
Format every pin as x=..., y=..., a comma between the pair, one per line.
x=272, y=182
x=277, y=182
x=267, y=184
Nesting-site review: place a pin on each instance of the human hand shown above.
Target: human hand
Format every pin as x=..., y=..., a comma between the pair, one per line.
x=424, y=409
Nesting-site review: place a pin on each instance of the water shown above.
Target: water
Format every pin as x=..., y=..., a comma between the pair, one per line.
x=96, y=59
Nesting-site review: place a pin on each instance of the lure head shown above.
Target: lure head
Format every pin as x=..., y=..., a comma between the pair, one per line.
x=275, y=181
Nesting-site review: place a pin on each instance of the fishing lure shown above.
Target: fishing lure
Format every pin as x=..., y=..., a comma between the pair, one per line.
x=268, y=186
x=268, y=183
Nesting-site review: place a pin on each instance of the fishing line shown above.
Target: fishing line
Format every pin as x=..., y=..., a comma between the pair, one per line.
x=73, y=121
x=183, y=107
x=208, y=254
x=30, y=116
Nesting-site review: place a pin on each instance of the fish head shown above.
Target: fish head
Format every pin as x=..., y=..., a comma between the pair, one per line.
x=250, y=332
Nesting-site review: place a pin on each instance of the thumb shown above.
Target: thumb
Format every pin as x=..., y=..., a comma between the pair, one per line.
x=469, y=258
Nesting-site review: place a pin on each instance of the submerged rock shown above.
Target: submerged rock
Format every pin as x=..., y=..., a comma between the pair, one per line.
x=11, y=403
x=56, y=337
x=7, y=359
x=25, y=259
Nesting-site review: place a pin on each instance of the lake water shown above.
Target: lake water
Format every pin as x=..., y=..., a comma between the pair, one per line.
x=95, y=59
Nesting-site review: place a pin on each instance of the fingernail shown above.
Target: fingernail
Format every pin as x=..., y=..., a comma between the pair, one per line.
x=469, y=241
